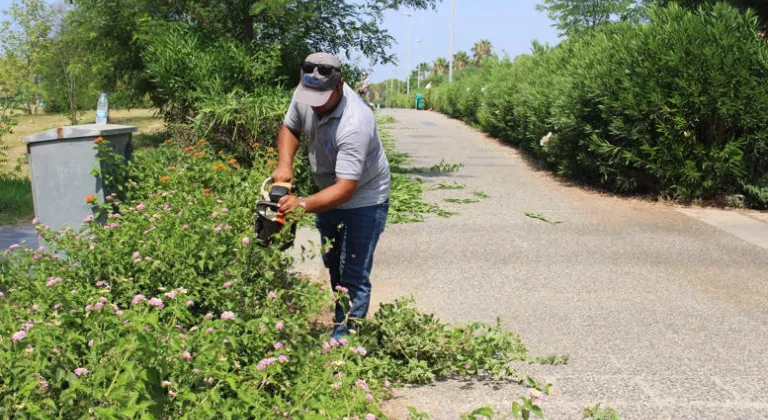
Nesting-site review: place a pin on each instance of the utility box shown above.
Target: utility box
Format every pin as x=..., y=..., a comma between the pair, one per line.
x=61, y=164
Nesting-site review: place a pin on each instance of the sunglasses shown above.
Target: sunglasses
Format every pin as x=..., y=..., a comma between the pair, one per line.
x=323, y=69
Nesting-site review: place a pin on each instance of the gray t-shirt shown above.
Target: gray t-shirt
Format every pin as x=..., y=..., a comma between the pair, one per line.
x=344, y=144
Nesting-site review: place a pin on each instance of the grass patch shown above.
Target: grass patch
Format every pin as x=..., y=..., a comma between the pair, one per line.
x=543, y=218
x=480, y=194
x=595, y=412
x=461, y=200
x=15, y=200
x=449, y=186
x=551, y=360
x=440, y=168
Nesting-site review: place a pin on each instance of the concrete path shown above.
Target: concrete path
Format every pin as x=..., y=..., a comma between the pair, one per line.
x=15, y=235
x=663, y=315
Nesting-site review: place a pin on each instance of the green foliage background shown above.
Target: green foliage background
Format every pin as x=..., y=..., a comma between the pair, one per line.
x=677, y=106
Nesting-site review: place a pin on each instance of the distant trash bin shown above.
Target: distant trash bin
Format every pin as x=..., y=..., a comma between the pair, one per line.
x=419, y=101
x=61, y=162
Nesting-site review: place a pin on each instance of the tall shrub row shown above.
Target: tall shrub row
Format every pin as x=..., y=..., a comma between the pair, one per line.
x=677, y=106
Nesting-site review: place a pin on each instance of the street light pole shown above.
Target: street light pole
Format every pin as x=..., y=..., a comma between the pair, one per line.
x=407, y=72
x=418, y=66
x=450, y=58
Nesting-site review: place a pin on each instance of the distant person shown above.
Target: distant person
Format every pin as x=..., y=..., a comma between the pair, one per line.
x=351, y=170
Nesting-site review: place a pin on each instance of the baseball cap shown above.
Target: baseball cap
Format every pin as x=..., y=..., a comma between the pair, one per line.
x=320, y=74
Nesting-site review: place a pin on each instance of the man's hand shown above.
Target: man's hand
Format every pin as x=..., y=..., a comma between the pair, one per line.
x=287, y=204
x=282, y=175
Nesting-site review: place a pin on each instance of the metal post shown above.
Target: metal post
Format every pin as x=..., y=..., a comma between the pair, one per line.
x=418, y=66
x=408, y=70
x=450, y=58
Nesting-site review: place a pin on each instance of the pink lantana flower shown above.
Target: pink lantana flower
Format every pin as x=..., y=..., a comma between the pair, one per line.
x=156, y=302
x=186, y=356
x=19, y=335
x=52, y=281
x=81, y=371
x=140, y=207
x=137, y=299
x=228, y=315
x=279, y=325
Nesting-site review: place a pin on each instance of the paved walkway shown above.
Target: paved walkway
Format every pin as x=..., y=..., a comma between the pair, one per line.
x=14, y=235
x=664, y=314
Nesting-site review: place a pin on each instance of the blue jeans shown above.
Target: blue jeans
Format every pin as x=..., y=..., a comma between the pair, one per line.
x=353, y=235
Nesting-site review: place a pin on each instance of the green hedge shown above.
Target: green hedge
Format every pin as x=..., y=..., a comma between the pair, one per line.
x=677, y=106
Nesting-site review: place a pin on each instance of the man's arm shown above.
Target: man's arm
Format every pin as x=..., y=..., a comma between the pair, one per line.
x=287, y=144
x=350, y=162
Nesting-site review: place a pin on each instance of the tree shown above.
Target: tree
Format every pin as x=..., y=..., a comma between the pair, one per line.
x=440, y=66
x=758, y=6
x=573, y=17
x=481, y=51
x=293, y=28
x=424, y=69
x=460, y=60
x=23, y=41
x=70, y=73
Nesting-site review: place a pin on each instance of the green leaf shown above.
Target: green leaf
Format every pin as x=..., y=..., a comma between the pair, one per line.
x=486, y=411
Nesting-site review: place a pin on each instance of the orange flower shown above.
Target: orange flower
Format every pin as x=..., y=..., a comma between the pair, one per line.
x=271, y=163
x=189, y=148
x=99, y=139
x=200, y=142
x=218, y=167
x=199, y=154
x=90, y=198
x=207, y=192
x=232, y=161
x=221, y=152
x=169, y=141
x=171, y=168
x=164, y=179
x=255, y=144
x=271, y=150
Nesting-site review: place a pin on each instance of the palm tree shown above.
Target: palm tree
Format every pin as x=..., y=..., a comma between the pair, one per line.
x=460, y=60
x=481, y=51
x=424, y=69
x=440, y=66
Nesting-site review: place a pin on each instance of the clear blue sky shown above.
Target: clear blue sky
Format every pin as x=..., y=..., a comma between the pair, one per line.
x=510, y=25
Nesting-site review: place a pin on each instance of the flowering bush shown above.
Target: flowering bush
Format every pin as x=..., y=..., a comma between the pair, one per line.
x=163, y=305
